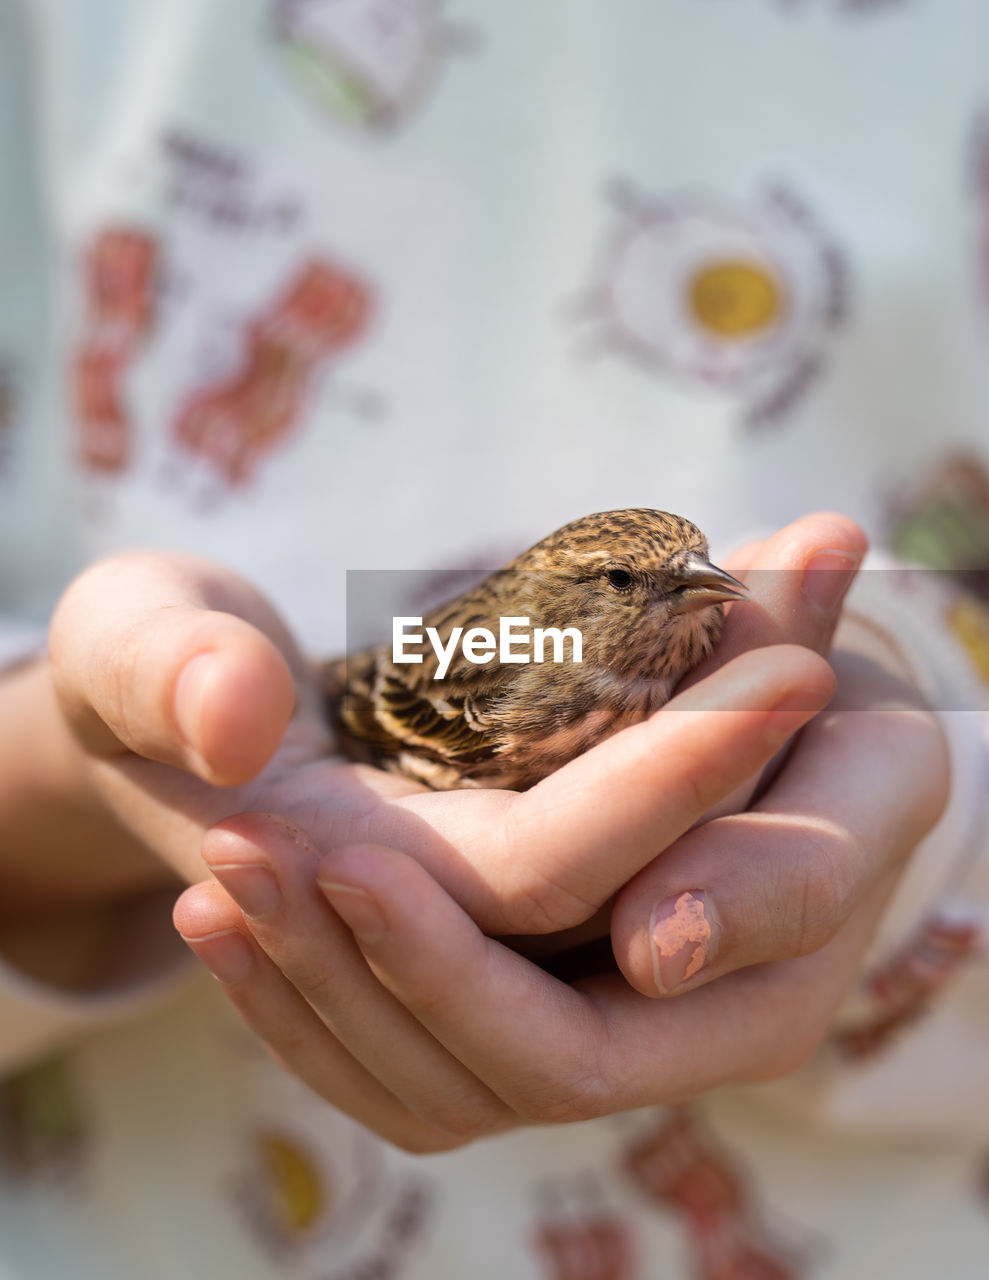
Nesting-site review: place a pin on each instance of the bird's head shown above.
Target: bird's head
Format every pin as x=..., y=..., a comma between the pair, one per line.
x=637, y=583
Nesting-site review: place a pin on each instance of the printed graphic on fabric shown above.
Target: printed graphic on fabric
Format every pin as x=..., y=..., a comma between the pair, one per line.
x=223, y=187
x=316, y=1190
x=736, y=300
x=330, y=1198
x=684, y=1169
x=44, y=1129
x=943, y=521
x=969, y=622
x=232, y=423
x=578, y=1236
x=905, y=988
x=366, y=63
x=119, y=280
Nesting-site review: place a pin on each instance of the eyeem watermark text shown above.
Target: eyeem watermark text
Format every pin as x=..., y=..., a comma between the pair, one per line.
x=480, y=644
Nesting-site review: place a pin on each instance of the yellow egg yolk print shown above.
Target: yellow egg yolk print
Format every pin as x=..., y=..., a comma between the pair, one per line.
x=734, y=299
x=295, y=1183
x=727, y=297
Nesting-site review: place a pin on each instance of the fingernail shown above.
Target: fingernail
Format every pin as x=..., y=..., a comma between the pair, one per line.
x=253, y=888
x=827, y=576
x=684, y=934
x=357, y=909
x=227, y=955
x=188, y=697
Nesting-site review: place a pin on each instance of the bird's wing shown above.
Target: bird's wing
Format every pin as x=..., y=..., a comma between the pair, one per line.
x=391, y=708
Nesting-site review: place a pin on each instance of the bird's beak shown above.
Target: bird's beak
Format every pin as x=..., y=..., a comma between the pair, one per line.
x=697, y=584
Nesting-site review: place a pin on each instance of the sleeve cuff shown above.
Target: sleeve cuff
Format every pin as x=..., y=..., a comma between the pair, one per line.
x=150, y=962
x=914, y=608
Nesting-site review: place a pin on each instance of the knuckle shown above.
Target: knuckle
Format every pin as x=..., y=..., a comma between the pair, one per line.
x=785, y=1055
x=535, y=904
x=122, y=666
x=551, y=1101
x=531, y=900
x=288, y=1043
x=702, y=790
x=464, y=1116
x=126, y=695
x=430, y=1000
x=826, y=888
x=792, y=1034
x=309, y=970
x=319, y=984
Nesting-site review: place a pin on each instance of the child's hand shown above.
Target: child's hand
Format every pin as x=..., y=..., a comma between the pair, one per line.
x=478, y=1038
x=187, y=701
x=413, y=1021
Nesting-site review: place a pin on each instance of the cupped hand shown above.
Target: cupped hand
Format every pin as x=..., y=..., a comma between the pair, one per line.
x=392, y=1003
x=191, y=703
x=404, y=1067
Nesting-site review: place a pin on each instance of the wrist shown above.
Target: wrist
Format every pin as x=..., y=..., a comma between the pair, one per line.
x=911, y=612
x=60, y=847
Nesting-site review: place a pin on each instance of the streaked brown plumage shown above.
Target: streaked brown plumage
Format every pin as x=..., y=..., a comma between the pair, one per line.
x=641, y=590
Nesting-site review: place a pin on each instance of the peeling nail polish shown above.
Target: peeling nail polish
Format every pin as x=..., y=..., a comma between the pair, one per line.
x=683, y=939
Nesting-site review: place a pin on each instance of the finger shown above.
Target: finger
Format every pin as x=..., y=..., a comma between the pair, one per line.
x=473, y=994
x=797, y=580
x=266, y=864
x=556, y=1053
x=860, y=789
x=175, y=660
x=213, y=928
x=550, y=857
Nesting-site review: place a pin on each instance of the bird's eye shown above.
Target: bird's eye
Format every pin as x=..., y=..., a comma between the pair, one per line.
x=620, y=579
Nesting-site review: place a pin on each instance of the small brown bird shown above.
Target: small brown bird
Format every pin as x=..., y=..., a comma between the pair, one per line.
x=603, y=617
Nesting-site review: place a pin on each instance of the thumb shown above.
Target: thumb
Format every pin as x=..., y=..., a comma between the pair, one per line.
x=797, y=581
x=177, y=660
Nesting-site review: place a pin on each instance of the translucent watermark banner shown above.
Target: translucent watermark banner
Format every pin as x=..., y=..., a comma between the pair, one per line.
x=926, y=627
